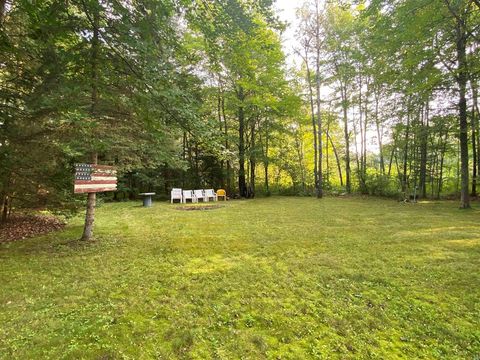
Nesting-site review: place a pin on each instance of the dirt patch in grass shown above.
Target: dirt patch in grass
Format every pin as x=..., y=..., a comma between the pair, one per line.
x=20, y=227
x=199, y=207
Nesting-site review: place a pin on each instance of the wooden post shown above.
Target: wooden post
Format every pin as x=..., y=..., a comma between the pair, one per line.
x=90, y=213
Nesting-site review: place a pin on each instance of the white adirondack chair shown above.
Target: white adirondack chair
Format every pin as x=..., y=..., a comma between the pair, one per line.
x=199, y=194
x=189, y=195
x=210, y=194
x=176, y=194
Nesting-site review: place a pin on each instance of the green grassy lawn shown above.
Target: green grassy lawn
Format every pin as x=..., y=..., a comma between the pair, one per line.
x=286, y=278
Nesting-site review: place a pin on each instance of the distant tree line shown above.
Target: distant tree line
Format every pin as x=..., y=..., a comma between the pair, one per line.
x=404, y=74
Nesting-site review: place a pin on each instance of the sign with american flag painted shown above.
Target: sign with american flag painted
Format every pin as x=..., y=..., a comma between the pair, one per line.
x=90, y=178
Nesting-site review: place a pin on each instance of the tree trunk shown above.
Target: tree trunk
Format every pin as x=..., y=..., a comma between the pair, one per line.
x=327, y=155
x=477, y=126
x=462, y=105
x=266, y=161
x=339, y=167
x=198, y=176
x=379, y=135
x=413, y=159
x=91, y=199
x=392, y=153
x=242, y=184
x=314, y=126
x=434, y=167
x=320, y=141
x=357, y=159
x=365, y=126
x=475, y=137
x=4, y=198
x=460, y=13
x=397, y=165
x=474, y=153
x=184, y=156
x=362, y=124
x=267, y=186
x=346, y=134
x=220, y=126
x=405, y=157
x=319, y=117
x=300, y=156
x=423, y=153
x=4, y=217
x=442, y=158
x=253, y=163
x=3, y=8
x=225, y=128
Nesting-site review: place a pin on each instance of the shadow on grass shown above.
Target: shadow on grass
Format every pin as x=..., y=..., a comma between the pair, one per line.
x=57, y=242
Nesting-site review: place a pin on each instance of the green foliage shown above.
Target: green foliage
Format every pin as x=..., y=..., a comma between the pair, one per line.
x=381, y=185
x=89, y=77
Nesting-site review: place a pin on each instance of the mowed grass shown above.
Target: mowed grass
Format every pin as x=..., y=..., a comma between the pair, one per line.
x=280, y=278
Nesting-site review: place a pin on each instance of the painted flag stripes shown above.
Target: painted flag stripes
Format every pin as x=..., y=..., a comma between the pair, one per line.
x=91, y=178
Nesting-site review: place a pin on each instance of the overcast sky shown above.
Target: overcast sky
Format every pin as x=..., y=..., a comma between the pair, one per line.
x=286, y=10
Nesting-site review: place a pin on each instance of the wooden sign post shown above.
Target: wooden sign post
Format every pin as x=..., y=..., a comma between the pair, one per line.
x=90, y=179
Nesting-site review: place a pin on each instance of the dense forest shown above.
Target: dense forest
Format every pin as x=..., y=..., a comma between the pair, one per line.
x=382, y=98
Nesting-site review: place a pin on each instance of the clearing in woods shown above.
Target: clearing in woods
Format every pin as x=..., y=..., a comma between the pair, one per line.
x=269, y=278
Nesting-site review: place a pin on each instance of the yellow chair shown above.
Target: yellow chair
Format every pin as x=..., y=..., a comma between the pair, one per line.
x=222, y=193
